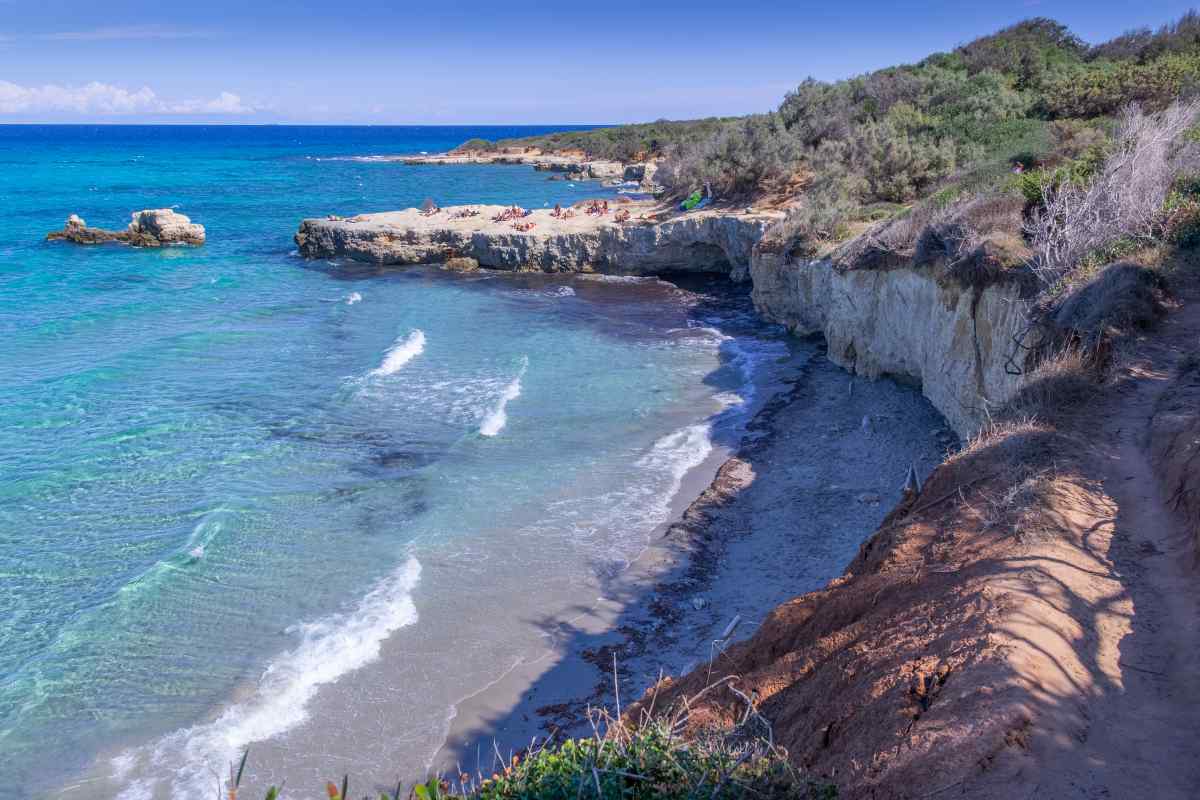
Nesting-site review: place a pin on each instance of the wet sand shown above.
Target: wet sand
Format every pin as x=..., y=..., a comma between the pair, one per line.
x=822, y=462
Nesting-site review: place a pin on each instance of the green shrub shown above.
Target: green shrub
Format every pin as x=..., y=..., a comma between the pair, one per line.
x=824, y=216
x=1028, y=50
x=739, y=159
x=649, y=764
x=1034, y=184
x=624, y=142
x=899, y=166
x=475, y=145
x=1142, y=45
x=622, y=762
x=1181, y=212
x=1103, y=88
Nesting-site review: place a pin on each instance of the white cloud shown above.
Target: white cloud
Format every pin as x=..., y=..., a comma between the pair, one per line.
x=224, y=103
x=104, y=98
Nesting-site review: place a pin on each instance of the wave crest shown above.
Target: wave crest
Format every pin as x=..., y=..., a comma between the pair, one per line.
x=404, y=350
x=329, y=648
x=497, y=418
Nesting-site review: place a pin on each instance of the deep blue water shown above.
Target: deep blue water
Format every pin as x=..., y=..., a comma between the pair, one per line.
x=251, y=500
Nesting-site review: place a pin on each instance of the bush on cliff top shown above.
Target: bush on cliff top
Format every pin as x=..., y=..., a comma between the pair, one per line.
x=904, y=130
x=624, y=142
x=476, y=145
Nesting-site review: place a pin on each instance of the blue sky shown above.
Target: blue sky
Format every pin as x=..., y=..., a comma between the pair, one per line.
x=504, y=61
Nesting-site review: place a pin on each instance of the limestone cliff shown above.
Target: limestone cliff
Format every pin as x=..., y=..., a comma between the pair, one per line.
x=643, y=244
x=906, y=322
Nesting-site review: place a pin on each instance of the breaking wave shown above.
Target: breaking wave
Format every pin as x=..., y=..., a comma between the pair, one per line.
x=497, y=418
x=404, y=350
x=329, y=648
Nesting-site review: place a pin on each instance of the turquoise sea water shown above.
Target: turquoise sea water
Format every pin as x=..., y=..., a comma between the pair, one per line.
x=251, y=500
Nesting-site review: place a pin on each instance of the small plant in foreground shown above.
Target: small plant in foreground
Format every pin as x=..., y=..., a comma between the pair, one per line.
x=650, y=760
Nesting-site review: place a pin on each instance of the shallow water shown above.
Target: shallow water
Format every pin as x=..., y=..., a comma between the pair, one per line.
x=248, y=500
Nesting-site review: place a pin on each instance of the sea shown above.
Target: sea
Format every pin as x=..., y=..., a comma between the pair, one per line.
x=305, y=508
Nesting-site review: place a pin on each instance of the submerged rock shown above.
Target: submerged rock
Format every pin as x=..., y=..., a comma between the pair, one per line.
x=149, y=228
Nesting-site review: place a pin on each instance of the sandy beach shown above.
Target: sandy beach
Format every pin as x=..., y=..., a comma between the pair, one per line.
x=822, y=462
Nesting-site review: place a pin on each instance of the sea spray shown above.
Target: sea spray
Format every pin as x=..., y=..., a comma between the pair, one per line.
x=329, y=648
x=497, y=418
x=352, y=298
x=404, y=350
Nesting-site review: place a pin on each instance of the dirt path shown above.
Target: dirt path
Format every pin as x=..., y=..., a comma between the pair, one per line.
x=1142, y=735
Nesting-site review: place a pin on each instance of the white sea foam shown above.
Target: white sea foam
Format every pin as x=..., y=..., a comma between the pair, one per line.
x=603, y=278
x=352, y=298
x=561, y=291
x=675, y=455
x=329, y=649
x=404, y=350
x=497, y=418
x=358, y=159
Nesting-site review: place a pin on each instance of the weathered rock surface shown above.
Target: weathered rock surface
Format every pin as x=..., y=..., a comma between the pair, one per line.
x=167, y=226
x=903, y=322
x=719, y=242
x=149, y=228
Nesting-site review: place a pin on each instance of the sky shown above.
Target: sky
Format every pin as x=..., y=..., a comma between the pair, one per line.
x=499, y=61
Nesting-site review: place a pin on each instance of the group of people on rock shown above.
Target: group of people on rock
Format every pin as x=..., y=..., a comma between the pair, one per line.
x=560, y=213
x=515, y=212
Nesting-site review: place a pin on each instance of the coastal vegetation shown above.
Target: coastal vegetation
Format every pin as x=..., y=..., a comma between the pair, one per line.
x=620, y=143
x=1032, y=98
x=623, y=760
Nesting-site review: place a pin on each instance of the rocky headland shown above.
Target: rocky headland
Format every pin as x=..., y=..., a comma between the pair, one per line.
x=632, y=238
x=149, y=228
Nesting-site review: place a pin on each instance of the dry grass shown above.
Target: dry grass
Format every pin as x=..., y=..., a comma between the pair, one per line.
x=1064, y=380
x=1116, y=300
x=1124, y=200
x=954, y=232
x=973, y=242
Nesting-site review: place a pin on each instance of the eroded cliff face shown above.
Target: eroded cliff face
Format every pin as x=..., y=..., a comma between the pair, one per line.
x=700, y=242
x=903, y=322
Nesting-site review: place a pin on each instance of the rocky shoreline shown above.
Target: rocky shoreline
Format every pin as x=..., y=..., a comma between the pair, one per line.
x=630, y=238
